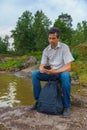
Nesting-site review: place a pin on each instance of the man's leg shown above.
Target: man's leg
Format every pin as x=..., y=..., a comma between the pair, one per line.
x=36, y=78
x=66, y=89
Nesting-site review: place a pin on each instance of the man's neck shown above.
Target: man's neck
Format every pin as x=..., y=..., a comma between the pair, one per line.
x=54, y=46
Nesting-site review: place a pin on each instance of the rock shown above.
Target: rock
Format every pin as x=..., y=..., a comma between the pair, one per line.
x=28, y=71
x=77, y=101
x=20, y=118
x=75, y=82
x=31, y=60
x=84, y=85
x=4, y=59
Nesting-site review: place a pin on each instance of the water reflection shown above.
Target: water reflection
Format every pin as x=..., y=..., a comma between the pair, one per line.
x=15, y=91
x=8, y=99
x=12, y=94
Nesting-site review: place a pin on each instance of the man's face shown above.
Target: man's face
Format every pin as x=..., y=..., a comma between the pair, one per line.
x=53, y=39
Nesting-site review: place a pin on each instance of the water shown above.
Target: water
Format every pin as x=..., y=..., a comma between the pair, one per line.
x=15, y=91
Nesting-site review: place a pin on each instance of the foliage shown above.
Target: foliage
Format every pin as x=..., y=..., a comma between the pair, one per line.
x=4, y=44
x=80, y=34
x=65, y=18
x=81, y=49
x=79, y=66
x=83, y=77
x=17, y=62
x=36, y=54
x=30, y=33
x=64, y=22
x=76, y=55
x=23, y=33
x=40, y=26
x=13, y=63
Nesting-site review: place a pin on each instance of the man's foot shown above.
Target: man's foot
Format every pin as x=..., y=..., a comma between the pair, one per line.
x=33, y=107
x=66, y=112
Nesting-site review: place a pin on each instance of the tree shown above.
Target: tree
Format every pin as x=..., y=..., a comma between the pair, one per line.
x=78, y=35
x=23, y=34
x=84, y=26
x=64, y=22
x=4, y=44
x=65, y=18
x=40, y=27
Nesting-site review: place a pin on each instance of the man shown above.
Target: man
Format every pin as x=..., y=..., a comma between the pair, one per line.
x=58, y=56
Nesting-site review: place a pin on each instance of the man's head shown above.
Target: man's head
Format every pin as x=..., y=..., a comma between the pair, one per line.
x=53, y=36
x=54, y=30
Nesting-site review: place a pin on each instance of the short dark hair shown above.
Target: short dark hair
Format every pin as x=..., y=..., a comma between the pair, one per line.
x=54, y=30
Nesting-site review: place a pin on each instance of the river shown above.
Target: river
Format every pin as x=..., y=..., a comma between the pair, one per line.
x=15, y=91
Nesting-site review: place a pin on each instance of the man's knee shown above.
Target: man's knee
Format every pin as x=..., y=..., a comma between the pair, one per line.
x=35, y=73
x=65, y=75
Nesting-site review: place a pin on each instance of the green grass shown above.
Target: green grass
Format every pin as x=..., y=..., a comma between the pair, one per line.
x=17, y=61
x=13, y=63
x=83, y=77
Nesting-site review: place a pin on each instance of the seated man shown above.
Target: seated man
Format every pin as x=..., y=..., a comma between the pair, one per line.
x=59, y=57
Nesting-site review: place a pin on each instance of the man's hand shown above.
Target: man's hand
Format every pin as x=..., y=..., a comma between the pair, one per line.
x=50, y=71
x=67, y=67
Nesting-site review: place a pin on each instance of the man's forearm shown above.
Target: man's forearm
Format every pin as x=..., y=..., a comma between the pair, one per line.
x=67, y=67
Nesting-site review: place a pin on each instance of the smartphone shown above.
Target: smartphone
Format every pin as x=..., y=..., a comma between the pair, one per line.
x=47, y=67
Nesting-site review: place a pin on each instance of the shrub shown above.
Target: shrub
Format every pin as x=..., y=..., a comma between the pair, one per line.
x=76, y=55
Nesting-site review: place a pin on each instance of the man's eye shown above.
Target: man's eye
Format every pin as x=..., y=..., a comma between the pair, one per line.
x=52, y=38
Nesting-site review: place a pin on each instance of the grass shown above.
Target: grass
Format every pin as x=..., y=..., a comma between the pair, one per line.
x=83, y=77
x=13, y=63
x=17, y=61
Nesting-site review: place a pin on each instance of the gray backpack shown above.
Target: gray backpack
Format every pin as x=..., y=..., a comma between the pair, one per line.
x=50, y=99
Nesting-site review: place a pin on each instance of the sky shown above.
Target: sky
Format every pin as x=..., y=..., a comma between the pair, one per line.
x=11, y=10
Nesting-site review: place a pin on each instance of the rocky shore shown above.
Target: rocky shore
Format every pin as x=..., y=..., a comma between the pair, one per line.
x=20, y=118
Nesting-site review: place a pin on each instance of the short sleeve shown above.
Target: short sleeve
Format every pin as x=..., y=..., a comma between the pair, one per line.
x=67, y=56
x=44, y=57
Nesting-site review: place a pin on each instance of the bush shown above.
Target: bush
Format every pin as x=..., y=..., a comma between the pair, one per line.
x=36, y=54
x=76, y=55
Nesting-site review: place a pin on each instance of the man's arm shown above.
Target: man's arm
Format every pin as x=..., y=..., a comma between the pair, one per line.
x=67, y=67
x=41, y=68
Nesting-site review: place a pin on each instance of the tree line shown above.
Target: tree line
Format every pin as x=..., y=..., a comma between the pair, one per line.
x=31, y=32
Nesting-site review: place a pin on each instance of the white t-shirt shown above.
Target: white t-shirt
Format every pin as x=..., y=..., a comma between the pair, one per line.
x=57, y=57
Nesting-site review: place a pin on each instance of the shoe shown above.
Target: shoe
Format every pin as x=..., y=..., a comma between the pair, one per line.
x=66, y=112
x=33, y=107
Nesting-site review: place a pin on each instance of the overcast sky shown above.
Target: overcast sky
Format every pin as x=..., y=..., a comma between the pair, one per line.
x=11, y=10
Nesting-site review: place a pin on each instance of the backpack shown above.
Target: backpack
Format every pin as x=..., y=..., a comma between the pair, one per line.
x=50, y=99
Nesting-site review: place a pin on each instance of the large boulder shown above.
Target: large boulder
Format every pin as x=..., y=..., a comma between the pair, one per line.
x=30, y=61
